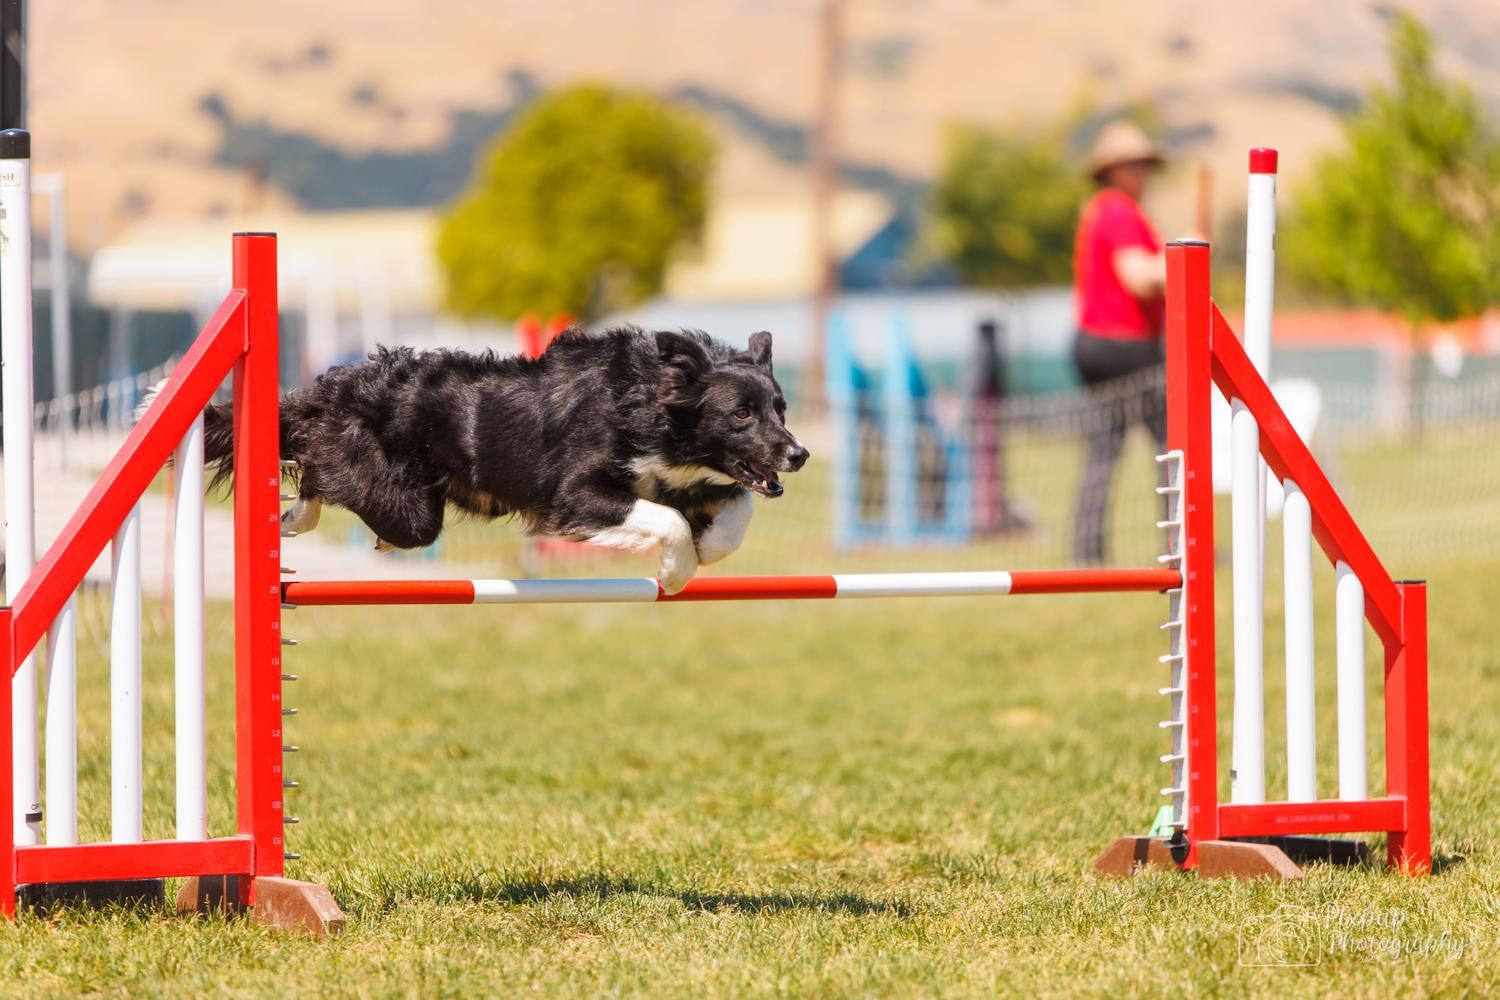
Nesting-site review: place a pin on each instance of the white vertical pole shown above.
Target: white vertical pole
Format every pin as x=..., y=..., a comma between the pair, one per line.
x=1249, y=753
x=1260, y=285
x=1301, y=732
x=187, y=624
x=1349, y=626
x=1248, y=505
x=1260, y=258
x=125, y=681
x=62, y=726
x=20, y=513
x=62, y=321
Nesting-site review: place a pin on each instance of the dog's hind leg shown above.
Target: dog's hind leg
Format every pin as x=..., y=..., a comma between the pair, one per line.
x=639, y=525
x=412, y=521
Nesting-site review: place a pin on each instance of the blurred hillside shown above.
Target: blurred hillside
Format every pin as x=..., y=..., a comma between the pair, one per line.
x=179, y=108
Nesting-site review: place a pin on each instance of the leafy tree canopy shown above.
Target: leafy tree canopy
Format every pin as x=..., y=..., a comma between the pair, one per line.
x=1005, y=206
x=1407, y=218
x=577, y=208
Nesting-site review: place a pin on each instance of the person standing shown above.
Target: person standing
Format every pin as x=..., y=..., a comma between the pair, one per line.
x=1119, y=279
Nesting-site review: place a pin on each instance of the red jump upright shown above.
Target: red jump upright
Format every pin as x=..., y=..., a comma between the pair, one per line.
x=1203, y=352
x=243, y=867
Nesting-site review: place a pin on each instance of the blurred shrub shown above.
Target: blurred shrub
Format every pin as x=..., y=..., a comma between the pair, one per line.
x=1005, y=206
x=1407, y=218
x=577, y=208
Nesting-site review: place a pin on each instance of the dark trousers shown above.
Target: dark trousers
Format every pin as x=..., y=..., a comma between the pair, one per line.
x=1115, y=402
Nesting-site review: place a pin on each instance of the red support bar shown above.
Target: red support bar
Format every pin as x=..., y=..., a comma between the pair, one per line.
x=151, y=859
x=1406, y=736
x=1093, y=581
x=257, y=562
x=194, y=381
x=754, y=588
x=1273, y=819
x=1289, y=458
x=1189, y=392
x=342, y=593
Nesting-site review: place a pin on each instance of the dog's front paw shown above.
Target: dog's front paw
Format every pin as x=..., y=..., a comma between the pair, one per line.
x=676, y=570
x=727, y=532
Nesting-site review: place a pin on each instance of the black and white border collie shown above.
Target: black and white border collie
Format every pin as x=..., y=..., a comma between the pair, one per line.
x=625, y=438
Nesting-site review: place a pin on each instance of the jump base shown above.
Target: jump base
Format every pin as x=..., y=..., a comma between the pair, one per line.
x=1128, y=855
x=136, y=892
x=1276, y=858
x=283, y=903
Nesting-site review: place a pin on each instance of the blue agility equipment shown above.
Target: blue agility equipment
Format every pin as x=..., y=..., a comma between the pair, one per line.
x=900, y=477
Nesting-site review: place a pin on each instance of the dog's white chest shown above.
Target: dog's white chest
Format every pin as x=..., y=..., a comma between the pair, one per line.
x=653, y=475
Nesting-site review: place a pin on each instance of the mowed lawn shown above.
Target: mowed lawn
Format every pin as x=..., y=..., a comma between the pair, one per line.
x=878, y=798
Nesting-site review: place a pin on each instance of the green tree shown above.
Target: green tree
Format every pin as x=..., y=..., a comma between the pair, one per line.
x=1005, y=207
x=577, y=208
x=1407, y=218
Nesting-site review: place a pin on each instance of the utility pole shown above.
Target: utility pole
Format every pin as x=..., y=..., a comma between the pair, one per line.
x=12, y=64
x=824, y=188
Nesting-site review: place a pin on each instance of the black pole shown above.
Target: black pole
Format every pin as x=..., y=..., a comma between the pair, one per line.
x=12, y=64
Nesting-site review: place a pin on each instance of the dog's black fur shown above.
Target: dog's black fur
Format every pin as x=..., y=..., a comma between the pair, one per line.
x=568, y=442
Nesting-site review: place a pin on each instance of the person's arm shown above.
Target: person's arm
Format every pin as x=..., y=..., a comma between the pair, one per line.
x=1143, y=273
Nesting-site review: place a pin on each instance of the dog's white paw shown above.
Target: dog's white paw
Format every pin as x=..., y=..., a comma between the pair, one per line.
x=727, y=532
x=678, y=564
x=302, y=516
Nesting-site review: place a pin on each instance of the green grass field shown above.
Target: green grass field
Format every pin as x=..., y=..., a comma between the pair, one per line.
x=865, y=799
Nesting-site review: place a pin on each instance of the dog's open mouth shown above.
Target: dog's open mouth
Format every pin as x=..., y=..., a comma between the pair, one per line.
x=760, y=479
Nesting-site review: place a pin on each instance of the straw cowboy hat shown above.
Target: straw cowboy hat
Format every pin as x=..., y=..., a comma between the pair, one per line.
x=1121, y=142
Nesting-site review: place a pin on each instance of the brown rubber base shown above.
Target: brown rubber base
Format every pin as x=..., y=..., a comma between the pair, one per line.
x=1238, y=859
x=279, y=902
x=1129, y=855
x=1263, y=857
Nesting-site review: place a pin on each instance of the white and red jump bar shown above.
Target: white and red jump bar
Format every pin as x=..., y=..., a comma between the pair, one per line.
x=644, y=590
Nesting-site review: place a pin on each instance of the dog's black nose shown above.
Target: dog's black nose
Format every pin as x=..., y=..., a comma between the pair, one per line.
x=796, y=457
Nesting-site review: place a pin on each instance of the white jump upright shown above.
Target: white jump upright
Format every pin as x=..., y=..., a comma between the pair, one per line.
x=1248, y=784
x=62, y=726
x=1349, y=631
x=125, y=681
x=1248, y=502
x=187, y=624
x=53, y=186
x=1301, y=710
x=20, y=523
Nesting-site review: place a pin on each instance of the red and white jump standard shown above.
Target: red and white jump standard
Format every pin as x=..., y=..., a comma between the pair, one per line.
x=1203, y=352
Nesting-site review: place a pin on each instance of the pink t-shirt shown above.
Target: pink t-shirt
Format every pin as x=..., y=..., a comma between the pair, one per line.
x=1112, y=221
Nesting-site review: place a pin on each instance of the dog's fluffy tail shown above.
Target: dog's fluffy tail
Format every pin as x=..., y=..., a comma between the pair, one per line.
x=218, y=443
x=218, y=436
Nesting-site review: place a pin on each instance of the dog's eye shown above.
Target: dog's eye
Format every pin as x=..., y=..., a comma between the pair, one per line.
x=743, y=413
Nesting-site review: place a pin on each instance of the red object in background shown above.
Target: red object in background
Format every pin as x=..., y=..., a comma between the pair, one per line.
x=535, y=338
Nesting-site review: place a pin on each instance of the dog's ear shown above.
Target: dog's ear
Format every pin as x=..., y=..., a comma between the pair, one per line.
x=684, y=363
x=760, y=348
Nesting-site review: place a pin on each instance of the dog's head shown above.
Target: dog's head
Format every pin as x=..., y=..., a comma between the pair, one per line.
x=730, y=410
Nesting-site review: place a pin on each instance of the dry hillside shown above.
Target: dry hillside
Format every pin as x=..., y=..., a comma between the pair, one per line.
x=174, y=106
